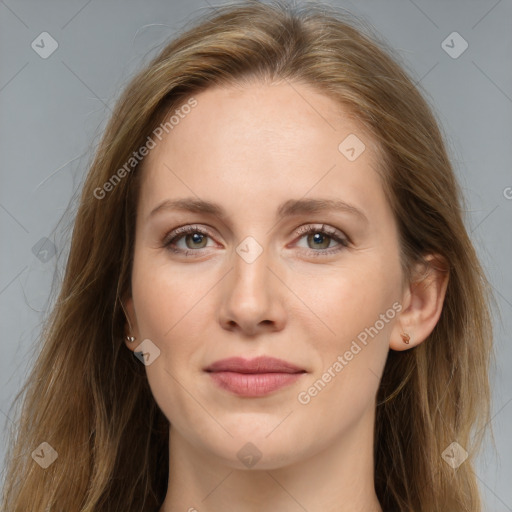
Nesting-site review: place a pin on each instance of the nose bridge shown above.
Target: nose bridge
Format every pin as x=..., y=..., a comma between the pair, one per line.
x=250, y=273
x=250, y=298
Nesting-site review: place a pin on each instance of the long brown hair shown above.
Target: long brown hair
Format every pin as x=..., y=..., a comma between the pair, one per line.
x=88, y=397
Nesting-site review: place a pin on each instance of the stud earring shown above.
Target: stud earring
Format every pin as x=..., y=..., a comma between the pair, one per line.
x=130, y=339
x=405, y=338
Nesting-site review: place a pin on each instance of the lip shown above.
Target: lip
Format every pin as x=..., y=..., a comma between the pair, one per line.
x=262, y=364
x=253, y=377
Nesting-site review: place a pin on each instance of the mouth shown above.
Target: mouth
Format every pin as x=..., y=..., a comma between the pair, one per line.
x=254, y=377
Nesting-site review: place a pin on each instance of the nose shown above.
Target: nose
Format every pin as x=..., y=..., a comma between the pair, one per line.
x=252, y=299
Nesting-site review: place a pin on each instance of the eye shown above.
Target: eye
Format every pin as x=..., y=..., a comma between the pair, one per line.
x=319, y=238
x=194, y=237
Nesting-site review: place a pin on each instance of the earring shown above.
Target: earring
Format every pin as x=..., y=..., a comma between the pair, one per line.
x=130, y=339
x=405, y=337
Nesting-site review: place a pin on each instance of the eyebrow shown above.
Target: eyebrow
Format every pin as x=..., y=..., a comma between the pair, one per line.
x=287, y=209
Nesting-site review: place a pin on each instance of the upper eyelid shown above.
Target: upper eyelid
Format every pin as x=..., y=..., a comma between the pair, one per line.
x=320, y=227
x=187, y=229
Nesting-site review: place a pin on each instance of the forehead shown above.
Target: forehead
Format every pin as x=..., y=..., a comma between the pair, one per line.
x=261, y=142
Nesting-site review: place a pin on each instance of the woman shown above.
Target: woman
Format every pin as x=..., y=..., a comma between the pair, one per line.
x=271, y=301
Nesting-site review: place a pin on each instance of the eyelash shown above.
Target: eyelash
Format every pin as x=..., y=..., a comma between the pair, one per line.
x=332, y=233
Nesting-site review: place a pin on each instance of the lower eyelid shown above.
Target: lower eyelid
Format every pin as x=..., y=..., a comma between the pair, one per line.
x=341, y=244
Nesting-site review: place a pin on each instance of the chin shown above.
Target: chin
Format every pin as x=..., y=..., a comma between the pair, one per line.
x=247, y=450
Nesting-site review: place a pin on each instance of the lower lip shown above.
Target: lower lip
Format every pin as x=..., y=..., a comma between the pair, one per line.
x=253, y=384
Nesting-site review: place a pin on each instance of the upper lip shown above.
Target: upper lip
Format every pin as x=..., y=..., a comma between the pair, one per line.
x=262, y=364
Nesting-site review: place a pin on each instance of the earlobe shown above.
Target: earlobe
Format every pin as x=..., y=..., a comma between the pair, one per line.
x=131, y=331
x=406, y=338
x=426, y=293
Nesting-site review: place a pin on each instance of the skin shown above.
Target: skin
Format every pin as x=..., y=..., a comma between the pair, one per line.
x=249, y=149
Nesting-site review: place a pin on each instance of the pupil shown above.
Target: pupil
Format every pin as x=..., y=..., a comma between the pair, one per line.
x=320, y=238
x=197, y=238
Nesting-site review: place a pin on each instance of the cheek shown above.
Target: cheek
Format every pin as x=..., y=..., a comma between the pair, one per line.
x=345, y=300
x=356, y=310
x=163, y=296
x=167, y=303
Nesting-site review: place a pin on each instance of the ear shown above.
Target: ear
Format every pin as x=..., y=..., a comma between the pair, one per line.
x=131, y=327
x=422, y=303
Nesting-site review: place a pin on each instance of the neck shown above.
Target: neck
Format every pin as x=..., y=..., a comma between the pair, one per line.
x=337, y=477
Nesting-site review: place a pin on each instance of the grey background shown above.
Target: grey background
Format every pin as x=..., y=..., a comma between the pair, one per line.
x=53, y=111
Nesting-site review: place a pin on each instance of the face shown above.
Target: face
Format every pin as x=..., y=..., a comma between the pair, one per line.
x=298, y=260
